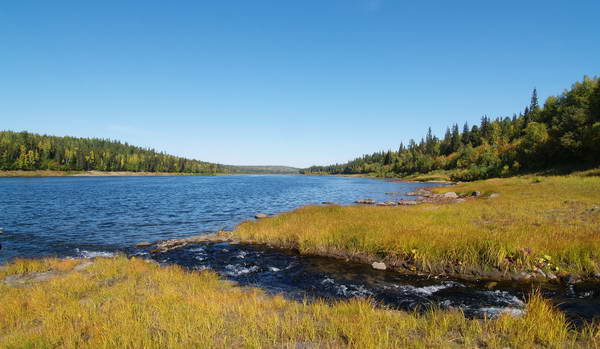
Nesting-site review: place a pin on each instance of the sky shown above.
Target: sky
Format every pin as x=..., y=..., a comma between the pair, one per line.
x=283, y=82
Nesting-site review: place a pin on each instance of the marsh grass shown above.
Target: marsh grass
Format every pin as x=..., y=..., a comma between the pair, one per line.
x=551, y=223
x=131, y=303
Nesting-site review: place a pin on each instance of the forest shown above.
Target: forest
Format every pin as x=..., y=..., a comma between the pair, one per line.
x=29, y=151
x=564, y=132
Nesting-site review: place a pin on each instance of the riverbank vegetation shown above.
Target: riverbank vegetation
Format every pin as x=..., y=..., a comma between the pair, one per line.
x=564, y=132
x=133, y=303
x=28, y=152
x=544, y=224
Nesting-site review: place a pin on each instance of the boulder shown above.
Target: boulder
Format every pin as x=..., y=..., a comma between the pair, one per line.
x=408, y=202
x=261, y=216
x=143, y=244
x=328, y=203
x=494, y=195
x=450, y=195
x=476, y=193
x=379, y=266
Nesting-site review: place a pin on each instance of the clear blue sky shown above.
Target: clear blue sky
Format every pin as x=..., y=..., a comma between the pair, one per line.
x=283, y=82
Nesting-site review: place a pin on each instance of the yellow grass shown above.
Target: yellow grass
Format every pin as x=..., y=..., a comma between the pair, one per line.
x=130, y=303
x=547, y=222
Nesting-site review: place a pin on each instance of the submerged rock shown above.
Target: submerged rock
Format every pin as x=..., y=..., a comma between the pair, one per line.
x=379, y=266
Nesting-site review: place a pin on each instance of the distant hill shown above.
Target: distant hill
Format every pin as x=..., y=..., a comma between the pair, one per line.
x=29, y=151
x=25, y=151
x=262, y=169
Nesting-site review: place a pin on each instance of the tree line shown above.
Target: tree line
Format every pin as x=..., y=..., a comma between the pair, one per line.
x=562, y=132
x=29, y=151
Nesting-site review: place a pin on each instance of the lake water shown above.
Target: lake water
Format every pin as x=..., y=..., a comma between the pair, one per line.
x=79, y=216
x=100, y=216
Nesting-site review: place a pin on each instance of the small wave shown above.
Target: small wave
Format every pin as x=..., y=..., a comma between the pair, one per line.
x=347, y=290
x=242, y=254
x=237, y=270
x=274, y=269
x=504, y=298
x=94, y=254
x=494, y=312
x=428, y=290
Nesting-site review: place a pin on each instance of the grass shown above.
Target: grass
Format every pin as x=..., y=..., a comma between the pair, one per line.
x=551, y=223
x=130, y=303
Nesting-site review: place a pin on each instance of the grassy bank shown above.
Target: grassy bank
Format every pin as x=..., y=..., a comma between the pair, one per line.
x=549, y=224
x=121, y=303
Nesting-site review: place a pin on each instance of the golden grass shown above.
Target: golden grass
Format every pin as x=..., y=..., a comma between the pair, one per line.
x=547, y=222
x=130, y=303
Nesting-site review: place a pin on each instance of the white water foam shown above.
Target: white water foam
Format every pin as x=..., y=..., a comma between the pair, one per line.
x=428, y=290
x=199, y=250
x=274, y=269
x=237, y=270
x=504, y=297
x=348, y=290
x=94, y=254
x=494, y=312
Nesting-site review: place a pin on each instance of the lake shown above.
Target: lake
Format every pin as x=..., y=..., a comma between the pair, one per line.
x=86, y=216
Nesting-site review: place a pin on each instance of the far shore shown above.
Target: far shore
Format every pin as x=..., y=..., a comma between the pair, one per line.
x=49, y=173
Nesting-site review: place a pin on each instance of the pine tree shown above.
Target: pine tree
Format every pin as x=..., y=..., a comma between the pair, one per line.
x=534, y=106
x=466, y=134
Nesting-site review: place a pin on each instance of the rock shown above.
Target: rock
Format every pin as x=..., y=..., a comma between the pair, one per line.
x=83, y=266
x=386, y=203
x=328, y=203
x=379, y=266
x=261, y=216
x=571, y=279
x=420, y=192
x=143, y=244
x=522, y=276
x=365, y=201
x=408, y=202
x=19, y=279
x=494, y=195
x=476, y=193
x=550, y=276
x=459, y=200
x=450, y=195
